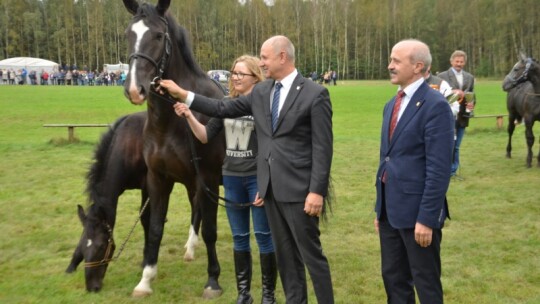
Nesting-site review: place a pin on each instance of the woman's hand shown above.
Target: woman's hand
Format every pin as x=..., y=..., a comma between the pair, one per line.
x=259, y=202
x=182, y=109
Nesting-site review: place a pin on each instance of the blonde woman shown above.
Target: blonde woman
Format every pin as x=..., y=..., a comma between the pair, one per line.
x=240, y=182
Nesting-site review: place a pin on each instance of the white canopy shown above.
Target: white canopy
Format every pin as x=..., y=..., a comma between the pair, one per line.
x=29, y=63
x=116, y=67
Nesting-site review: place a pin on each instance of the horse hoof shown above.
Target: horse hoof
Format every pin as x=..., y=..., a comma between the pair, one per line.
x=209, y=293
x=188, y=257
x=140, y=293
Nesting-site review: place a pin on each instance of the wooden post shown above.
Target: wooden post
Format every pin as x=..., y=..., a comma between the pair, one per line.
x=71, y=135
x=500, y=122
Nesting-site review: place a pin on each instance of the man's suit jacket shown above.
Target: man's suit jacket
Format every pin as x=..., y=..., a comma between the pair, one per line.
x=468, y=86
x=417, y=161
x=297, y=157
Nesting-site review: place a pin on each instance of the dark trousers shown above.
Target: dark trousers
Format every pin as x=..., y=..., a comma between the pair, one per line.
x=406, y=265
x=297, y=243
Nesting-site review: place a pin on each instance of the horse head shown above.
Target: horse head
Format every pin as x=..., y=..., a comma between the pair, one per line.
x=149, y=45
x=521, y=72
x=96, y=246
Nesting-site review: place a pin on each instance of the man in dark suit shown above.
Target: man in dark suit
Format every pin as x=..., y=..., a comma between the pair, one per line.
x=461, y=83
x=294, y=131
x=413, y=177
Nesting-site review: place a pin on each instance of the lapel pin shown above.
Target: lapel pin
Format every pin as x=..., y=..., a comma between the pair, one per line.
x=298, y=88
x=418, y=103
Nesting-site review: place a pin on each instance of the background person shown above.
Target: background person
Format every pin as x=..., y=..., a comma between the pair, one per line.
x=295, y=143
x=240, y=182
x=461, y=83
x=414, y=173
x=443, y=87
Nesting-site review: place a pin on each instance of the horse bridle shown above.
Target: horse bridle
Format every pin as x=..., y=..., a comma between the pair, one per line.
x=107, y=258
x=160, y=68
x=524, y=76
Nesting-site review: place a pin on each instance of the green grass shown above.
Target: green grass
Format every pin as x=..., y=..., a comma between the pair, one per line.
x=489, y=251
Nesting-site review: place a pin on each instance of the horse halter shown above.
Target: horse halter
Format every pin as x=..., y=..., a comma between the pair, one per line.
x=524, y=76
x=107, y=258
x=160, y=68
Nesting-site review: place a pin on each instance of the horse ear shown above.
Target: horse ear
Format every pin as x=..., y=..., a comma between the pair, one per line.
x=522, y=56
x=132, y=6
x=162, y=6
x=82, y=216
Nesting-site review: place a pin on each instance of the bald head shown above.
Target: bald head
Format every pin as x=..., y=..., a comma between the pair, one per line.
x=409, y=61
x=277, y=57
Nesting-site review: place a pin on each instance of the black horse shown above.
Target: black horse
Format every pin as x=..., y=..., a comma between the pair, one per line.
x=523, y=101
x=160, y=49
x=118, y=166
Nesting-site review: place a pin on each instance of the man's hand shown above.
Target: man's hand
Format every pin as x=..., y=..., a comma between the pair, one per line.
x=314, y=204
x=169, y=86
x=376, y=224
x=423, y=235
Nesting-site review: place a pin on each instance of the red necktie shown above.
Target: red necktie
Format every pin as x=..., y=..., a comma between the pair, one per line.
x=393, y=121
x=395, y=112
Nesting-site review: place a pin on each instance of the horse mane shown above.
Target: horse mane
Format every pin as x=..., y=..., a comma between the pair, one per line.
x=97, y=170
x=184, y=45
x=179, y=34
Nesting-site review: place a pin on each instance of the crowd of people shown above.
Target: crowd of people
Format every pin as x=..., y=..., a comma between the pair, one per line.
x=327, y=78
x=71, y=77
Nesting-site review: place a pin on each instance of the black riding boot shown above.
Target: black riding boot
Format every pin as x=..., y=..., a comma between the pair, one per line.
x=242, y=266
x=269, y=277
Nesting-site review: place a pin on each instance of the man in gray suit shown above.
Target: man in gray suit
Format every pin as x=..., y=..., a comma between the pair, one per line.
x=293, y=118
x=461, y=83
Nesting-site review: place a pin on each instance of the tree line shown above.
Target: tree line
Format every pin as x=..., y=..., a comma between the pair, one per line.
x=353, y=37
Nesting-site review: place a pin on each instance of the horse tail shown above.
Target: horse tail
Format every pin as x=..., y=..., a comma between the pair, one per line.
x=98, y=169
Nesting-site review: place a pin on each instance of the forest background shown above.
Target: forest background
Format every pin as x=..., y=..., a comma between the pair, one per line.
x=353, y=37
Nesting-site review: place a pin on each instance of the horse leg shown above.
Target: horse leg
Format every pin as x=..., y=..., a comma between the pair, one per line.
x=193, y=239
x=145, y=218
x=159, y=191
x=511, y=128
x=530, y=140
x=209, y=233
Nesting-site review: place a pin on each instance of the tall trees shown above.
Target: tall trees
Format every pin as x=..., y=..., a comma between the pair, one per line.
x=353, y=37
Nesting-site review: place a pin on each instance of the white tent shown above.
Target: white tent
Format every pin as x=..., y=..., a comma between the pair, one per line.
x=29, y=63
x=116, y=67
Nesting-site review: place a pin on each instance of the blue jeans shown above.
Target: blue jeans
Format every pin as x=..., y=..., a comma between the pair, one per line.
x=242, y=190
x=460, y=132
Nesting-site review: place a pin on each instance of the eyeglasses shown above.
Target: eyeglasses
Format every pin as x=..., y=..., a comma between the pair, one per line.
x=240, y=75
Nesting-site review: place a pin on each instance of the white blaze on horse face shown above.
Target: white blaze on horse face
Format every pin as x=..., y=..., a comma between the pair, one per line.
x=88, y=243
x=139, y=28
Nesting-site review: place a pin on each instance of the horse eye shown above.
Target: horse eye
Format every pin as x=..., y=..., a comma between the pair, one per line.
x=159, y=36
x=89, y=243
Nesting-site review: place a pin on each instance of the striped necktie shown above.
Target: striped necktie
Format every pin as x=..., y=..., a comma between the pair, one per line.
x=275, y=105
x=395, y=112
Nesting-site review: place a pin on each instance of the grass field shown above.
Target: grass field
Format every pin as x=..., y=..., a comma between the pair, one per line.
x=490, y=249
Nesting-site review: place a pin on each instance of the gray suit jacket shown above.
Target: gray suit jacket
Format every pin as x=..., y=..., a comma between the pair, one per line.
x=468, y=86
x=296, y=158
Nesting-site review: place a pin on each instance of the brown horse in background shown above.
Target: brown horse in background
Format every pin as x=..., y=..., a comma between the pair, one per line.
x=523, y=101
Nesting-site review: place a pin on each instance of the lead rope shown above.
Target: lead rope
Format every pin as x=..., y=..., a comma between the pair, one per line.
x=131, y=231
